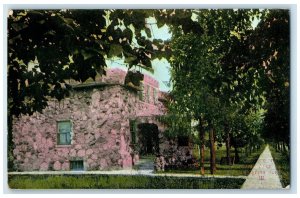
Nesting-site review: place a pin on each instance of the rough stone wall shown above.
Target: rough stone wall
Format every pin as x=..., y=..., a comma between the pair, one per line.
x=100, y=135
x=100, y=128
x=114, y=75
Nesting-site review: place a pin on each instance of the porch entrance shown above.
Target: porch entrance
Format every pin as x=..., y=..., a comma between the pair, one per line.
x=148, y=138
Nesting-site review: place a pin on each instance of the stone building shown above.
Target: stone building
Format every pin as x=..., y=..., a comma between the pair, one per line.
x=102, y=125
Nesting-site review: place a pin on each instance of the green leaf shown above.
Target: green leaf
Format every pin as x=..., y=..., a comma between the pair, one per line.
x=148, y=32
x=115, y=50
x=130, y=59
x=19, y=26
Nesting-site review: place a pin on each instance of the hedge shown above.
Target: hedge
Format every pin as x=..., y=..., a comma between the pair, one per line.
x=120, y=182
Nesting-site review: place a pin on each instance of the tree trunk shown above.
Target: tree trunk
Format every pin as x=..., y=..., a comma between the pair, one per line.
x=227, y=131
x=236, y=155
x=212, y=151
x=288, y=146
x=283, y=147
x=278, y=147
x=202, y=140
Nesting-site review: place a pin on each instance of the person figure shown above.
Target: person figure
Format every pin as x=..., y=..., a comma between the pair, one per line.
x=162, y=162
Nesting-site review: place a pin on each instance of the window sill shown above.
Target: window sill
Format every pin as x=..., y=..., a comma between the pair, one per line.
x=63, y=146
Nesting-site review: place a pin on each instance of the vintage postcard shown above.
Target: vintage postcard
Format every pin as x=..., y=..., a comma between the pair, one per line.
x=148, y=98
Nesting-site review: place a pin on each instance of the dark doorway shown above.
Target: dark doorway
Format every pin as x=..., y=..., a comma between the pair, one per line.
x=148, y=138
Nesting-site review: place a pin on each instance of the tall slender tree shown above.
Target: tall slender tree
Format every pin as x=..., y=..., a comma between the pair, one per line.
x=271, y=49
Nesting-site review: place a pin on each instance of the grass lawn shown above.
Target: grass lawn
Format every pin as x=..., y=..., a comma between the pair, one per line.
x=243, y=168
x=119, y=182
x=282, y=162
x=86, y=181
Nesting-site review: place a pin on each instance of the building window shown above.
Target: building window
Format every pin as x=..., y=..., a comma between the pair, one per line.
x=147, y=93
x=132, y=125
x=140, y=93
x=76, y=165
x=154, y=96
x=64, y=132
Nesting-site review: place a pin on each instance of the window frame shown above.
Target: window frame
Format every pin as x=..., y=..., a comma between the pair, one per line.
x=147, y=93
x=76, y=169
x=141, y=93
x=155, y=93
x=59, y=142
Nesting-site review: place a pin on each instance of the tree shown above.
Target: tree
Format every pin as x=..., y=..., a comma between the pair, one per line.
x=68, y=44
x=271, y=43
x=193, y=64
x=64, y=45
x=209, y=73
x=236, y=79
x=246, y=129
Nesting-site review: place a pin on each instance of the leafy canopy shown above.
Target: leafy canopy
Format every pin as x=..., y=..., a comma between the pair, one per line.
x=74, y=44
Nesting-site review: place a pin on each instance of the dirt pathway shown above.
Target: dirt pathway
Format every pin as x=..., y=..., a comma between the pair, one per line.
x=264, y=174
